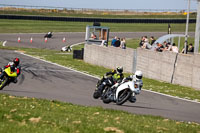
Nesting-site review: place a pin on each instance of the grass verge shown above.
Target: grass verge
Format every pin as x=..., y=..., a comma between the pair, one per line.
x=22, y=115
x=36, y=26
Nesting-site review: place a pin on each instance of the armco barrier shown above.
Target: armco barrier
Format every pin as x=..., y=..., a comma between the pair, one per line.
x=96, y=19
x=166, y=66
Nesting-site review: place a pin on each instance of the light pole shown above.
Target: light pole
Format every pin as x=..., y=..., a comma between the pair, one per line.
x=197, y=31
x=187, y=25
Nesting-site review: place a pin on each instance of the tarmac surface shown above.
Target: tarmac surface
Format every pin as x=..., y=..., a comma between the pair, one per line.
x=41, y=79
x=56, y=42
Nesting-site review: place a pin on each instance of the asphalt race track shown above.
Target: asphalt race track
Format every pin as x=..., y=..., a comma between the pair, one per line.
x=44, y=80
x=56, y=42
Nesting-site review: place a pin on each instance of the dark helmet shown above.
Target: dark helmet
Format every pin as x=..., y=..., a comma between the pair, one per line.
x=119, y=70
x=16, y=61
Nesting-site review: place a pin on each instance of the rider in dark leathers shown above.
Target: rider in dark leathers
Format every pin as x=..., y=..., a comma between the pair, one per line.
x=111, y=78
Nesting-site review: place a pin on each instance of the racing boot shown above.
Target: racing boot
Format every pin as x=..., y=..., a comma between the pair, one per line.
x=132, y=99
x=98, y=92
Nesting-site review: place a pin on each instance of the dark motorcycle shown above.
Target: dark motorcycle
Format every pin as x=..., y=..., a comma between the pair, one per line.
x=48, y=35
x=107, y=84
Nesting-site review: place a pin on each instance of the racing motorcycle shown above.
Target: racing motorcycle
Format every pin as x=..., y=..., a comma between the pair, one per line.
x=107, y=84
x=122, y=93
x=48, y=35
x=8, y=77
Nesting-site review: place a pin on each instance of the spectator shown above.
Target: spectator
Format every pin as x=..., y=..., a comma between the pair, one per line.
x=167, y=46
x=117, y=43
x=191, y=48
x=160, y=47
x=174, y=48
x=123, y=43
x=113, y=41
x=146, y=44
x=141, y=41
x=152, y=40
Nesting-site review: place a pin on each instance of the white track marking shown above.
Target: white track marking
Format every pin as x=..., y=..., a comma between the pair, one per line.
x=99, y=78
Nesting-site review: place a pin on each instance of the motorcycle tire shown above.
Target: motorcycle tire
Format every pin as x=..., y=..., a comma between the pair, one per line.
x=4, y=82
x=106, y=99
x=123, y=97
x=96, y=95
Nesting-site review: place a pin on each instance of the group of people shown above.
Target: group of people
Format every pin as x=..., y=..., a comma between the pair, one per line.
x=166, y=46
x=144, y=42
x=117, y=42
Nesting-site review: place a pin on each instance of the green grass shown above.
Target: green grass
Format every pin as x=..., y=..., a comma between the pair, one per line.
x=33, y=26
x=22, y=115
x=149, y=84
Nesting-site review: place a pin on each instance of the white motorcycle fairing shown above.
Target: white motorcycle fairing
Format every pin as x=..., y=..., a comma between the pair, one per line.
x=123, y=86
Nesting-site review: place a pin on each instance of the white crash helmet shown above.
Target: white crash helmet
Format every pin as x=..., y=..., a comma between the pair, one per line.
x=119, y=69
x=138, y=75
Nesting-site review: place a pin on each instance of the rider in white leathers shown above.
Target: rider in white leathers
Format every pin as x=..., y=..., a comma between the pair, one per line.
x=137, y=78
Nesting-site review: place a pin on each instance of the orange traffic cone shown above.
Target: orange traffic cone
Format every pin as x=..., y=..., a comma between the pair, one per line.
x=45, y=40
x=19, y=40
x=64, y=40
x=31, y=40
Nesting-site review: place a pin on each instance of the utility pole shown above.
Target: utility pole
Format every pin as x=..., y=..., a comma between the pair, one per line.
x=187, y=25
x=197, y=32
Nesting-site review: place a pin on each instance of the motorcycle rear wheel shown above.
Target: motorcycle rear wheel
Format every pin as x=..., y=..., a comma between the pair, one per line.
x=123, y=97
x=4, y=82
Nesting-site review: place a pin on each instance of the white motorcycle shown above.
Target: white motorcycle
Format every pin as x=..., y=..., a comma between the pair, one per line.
x=122, y=93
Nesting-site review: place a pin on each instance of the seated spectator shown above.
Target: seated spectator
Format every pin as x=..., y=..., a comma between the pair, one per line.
x=190, y=48
x=174, y=48
x=123, y=43
x=117, y=43
x=152, y=40
x=167, y=46
x=113, y=41
x=141, y=41
x=160, y=47
x=146, y=44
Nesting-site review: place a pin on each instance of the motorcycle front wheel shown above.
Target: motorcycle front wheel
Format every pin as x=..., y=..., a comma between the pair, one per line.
x=123, y=96
x=3, y=82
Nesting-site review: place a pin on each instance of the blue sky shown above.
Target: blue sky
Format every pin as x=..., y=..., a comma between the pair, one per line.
x=107, y=4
